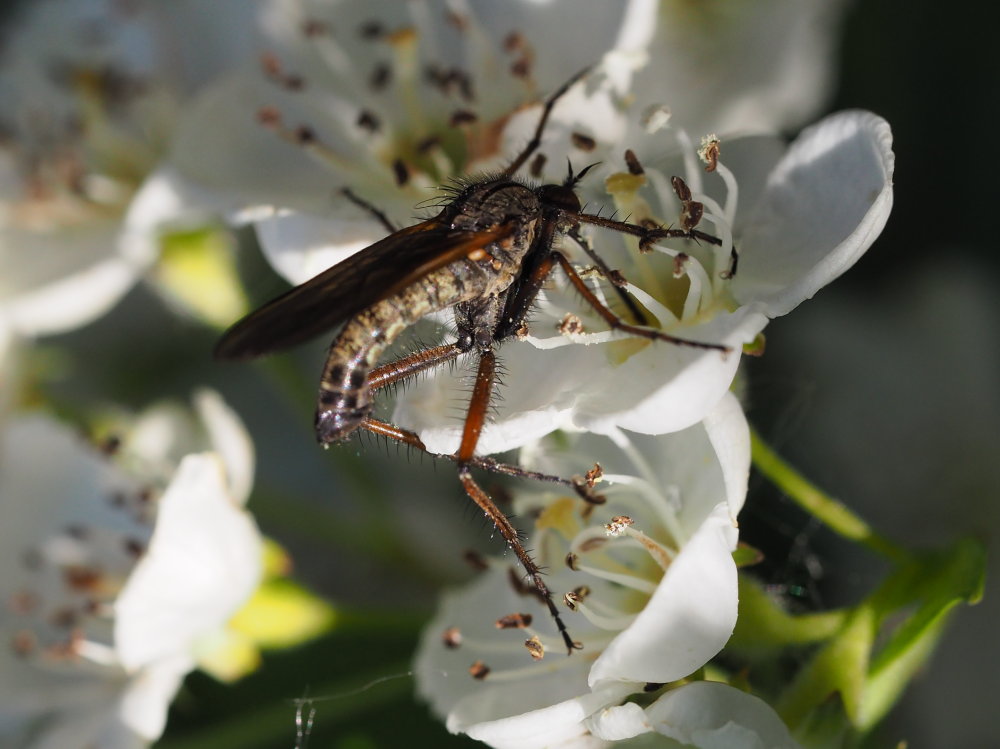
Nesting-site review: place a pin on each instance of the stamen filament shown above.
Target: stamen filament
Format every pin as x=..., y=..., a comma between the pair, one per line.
x=585, y=339
x=97, y=653
x=405, y=75
x=692, y=170
x=722, y=252
x=666, y=512
x=661, y=554
x=626, y=580
x=538, y=668
x=732, y=191
x=660, y=312
x=612, y=623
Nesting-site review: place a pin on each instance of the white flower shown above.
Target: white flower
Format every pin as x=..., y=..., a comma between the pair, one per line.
x=89, y=91
x=703, y=714
x=379, y=107
x=801, y=217
x=741, y=68
x=392, y=103
x=654, y=595
x=111, y=590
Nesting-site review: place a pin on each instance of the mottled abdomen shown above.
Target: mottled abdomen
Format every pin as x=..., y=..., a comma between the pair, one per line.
x=345, y=399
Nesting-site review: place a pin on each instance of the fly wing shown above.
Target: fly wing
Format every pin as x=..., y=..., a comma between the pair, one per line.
x=365, y=278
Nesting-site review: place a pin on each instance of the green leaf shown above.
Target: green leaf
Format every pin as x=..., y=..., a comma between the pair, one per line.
x=841, y=665
x=942, y=581
x=764, y=625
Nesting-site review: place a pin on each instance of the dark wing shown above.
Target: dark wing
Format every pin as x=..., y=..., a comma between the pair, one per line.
x=365, y=278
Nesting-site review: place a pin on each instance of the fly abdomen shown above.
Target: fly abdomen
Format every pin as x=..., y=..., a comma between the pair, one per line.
x=345, y=398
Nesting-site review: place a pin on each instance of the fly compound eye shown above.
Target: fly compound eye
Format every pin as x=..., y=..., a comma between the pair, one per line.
x=559, y=196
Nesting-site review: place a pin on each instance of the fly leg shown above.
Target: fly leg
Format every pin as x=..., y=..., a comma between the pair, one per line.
x=616, y=323
x=465, y=457
x=378, y=215
x=518, y=305
x=423, y=360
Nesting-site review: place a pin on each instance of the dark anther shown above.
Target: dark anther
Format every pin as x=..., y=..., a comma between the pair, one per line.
x=632, y=161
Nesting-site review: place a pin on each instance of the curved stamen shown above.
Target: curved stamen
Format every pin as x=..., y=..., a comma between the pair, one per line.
x=732, y=192
x=660, y=554
x=630, y=581
x=613, y=623
x=663, y=315
x=532, y=670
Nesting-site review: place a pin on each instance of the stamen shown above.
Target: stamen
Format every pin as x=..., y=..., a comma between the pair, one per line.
x=95, y=652
x=661, y=554
x=613, y=623
x=583, y=142
x=535, y=648
x=663, y=315
x=664, y=499
x=570, y=325
x=647, y=482
x=698, y=283
x=452, y=638
x=708, y=151
x=304, y=137
x=618, y=525
x=476, y=560
x=499, y=645
x=585, y=339
x=514, y=621
x=407, y=72
x=656, y=118
x=537, y=165
x=732, y=192
x=336, y=60
x=632, y=161
x=630, y=581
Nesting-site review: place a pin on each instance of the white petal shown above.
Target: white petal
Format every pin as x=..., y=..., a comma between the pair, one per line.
x=442, y=673
x=56, y=281
x=300, y=246
x=742, y=68
x=824, y=205
x=668, y=387
x=538, y=391
x=689, y=617
x=221, y=147
x=144, y=704
x=619, y=722
x=548, y=700
x=710, y=715
x=50, y=480
x=537, y=729
x=230, y=440
x=202, y=562
x=729, y=433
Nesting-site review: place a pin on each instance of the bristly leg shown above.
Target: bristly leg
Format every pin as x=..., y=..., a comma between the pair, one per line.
x=465, y=457
x=475, y=419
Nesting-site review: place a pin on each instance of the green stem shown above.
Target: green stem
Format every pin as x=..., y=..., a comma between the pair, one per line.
x=818, y=503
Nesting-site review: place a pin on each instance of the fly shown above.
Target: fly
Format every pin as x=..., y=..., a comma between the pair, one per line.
x=486, y=255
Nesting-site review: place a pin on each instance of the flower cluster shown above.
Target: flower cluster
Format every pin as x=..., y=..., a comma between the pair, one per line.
x=348, y=118
x=121, y=577
x=385, y=109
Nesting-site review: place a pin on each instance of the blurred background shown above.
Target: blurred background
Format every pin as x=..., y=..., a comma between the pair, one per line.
x=883, y=390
